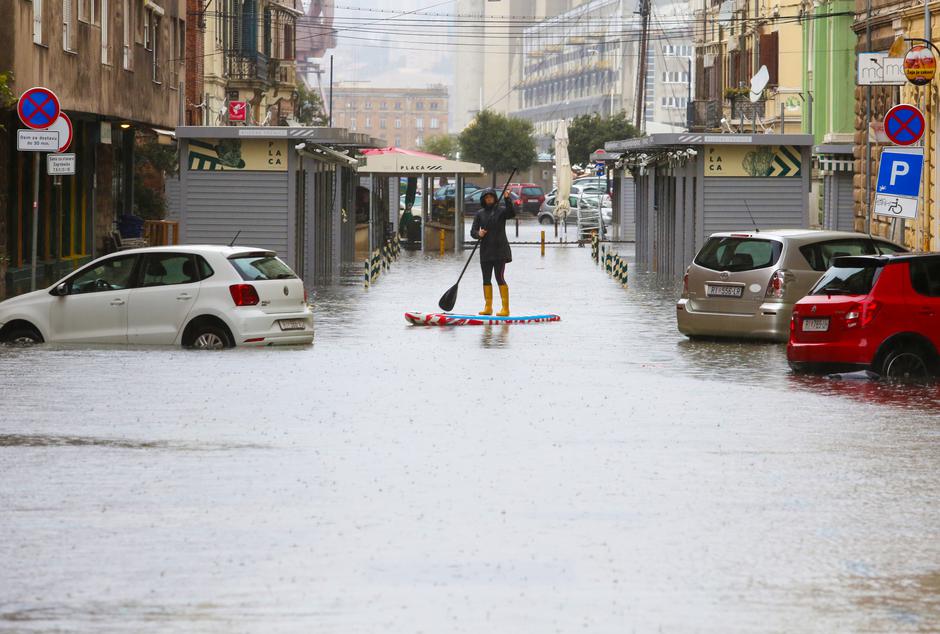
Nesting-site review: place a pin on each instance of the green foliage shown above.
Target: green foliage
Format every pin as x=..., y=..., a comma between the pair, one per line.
x=152, y=162
x=588, y=133
x=498, y=143
x=309, y=109
x=7, y=98
x=445, y=145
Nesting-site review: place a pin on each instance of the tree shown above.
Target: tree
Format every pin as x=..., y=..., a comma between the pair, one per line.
x=441, y=144
x=498, y=143
x=589, y=132
x=7, y=98
x=309, y=110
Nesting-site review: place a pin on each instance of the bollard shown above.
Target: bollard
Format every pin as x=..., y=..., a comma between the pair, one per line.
x=517, y=226
x=543, y=243
x=442, y=242
x=365, y=277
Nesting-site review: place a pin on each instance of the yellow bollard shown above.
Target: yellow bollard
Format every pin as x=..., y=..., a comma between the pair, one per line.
x=442, y=242
x=543, y=243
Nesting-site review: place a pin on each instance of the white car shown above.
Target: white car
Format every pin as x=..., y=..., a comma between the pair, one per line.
x=206, y=297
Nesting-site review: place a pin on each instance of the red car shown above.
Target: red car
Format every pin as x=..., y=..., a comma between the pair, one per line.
x=531, y=194
x=879, y=312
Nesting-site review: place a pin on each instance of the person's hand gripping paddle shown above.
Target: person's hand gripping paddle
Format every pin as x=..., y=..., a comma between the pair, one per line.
x=449, y=298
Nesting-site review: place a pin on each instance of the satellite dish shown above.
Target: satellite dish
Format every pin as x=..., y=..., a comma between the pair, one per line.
x=758, y=83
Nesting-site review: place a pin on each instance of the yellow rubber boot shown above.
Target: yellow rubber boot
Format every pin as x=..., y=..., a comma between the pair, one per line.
x=488, y=297
x=504, y=295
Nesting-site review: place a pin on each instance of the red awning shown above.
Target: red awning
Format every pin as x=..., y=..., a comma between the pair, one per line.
x=398, y=150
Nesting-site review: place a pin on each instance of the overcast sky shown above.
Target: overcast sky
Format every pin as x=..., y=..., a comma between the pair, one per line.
x=376, y=51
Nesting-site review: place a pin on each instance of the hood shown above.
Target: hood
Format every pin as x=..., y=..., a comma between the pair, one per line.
x=13, y=303
x=489, y=190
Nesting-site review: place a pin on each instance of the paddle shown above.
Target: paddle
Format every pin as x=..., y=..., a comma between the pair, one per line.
x=449, y=298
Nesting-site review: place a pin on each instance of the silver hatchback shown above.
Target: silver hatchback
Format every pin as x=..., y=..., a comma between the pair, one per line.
x=744, y=284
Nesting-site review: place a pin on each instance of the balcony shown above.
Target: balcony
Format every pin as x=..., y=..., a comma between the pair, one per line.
x=283, y=71
x=704, y=115
x=247, y=66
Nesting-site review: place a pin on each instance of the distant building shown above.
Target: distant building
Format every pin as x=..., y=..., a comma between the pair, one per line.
x=116, y=67
x=404, y=117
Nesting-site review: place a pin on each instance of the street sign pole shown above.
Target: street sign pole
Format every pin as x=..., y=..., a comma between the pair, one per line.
x=35, y=236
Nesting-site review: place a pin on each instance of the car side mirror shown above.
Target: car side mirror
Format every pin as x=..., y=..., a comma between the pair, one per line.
x=61, y=289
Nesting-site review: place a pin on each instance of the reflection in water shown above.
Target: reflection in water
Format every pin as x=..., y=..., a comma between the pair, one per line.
x=495, y=335
x=32, y=440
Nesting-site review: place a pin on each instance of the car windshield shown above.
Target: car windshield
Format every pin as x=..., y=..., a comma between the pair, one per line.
x=847, y=281
x=532, y=191
x=255, y=267
x=735, y=254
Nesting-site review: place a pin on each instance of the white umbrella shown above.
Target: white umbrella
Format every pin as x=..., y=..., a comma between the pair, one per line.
x=562, y=171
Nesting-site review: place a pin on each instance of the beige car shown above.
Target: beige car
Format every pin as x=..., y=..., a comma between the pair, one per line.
x=744, y=284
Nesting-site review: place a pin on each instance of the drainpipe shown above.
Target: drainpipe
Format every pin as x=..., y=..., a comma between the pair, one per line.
x=868, y=127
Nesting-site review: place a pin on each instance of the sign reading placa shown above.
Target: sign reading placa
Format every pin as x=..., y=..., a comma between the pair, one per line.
x=37, y=140
x=238, y=154
x=750, y=160
x=60, y=164
x=877, y=69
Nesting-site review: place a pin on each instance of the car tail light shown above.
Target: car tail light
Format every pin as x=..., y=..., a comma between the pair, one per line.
x=244, y=295
x=860, y=314
x=518, y=201
x=793, y=319
x=306, y=297
x=777, y=286
x=685, y=283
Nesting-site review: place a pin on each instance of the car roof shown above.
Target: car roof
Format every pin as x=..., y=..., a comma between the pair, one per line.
x=885, y=258
x=796, y=235
x=201, y=249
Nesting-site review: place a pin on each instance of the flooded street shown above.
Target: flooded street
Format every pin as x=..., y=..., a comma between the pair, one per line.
x=601, y=473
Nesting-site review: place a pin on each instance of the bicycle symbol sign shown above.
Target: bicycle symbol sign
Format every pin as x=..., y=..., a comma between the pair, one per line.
x=38, y=108
x=904, y=124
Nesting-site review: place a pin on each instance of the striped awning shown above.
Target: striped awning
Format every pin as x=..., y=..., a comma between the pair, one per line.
x=832, y=163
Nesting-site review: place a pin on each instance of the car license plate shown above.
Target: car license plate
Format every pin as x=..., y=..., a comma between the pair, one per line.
x=724, y=291
x=815, y=325
x=292, y=324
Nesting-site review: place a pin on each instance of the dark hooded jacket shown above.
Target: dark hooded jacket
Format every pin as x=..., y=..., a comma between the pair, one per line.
x=494, y=247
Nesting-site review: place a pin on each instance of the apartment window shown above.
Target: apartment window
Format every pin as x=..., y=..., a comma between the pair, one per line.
x=383, y=124
x=368, y=105
x=419, y=105
x=419, y=141
x=368, y=123
x=154, y=43
x=434, y=105
x=398, y=124
x=398, y=141
x=95, y=11
x=68, y=24
x=37, y=21
x=83, y=10
x=349, y=105
x=419, y=123
x=181, y=41
x=383, y=106
x=397, y=105
x=148, y=40
x=126, y=18
x=352, y=123
x=434, y=123
x=105, y=55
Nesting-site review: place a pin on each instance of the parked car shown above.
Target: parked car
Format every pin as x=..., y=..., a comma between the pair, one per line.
x=596, y=182
x=876, y=312
x=471, y=204
x=447, y=191
x=582, y=199
x=744, y=284
x=531, y=194
x=195, y=296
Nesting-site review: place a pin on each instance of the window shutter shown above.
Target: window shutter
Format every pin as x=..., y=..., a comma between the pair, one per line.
x=769, y=55
x=37, y=21
x=67, y=25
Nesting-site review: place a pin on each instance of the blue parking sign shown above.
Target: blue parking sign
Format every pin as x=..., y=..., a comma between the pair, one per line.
x=899, y=172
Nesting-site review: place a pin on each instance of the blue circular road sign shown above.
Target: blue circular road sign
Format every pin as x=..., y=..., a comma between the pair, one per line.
x=904, y=124
x=38, y=108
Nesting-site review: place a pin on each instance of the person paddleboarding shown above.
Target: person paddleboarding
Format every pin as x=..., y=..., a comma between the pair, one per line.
x=489, y=227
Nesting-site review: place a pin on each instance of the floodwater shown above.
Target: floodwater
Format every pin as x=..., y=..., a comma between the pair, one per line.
x=599, y=474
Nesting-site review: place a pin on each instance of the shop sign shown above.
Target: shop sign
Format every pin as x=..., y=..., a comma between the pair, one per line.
x=920, y=65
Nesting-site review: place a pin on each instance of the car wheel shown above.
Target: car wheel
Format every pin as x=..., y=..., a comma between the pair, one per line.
x=545, y=220
x=23, y=336
x=210, y=337
x=906, y=365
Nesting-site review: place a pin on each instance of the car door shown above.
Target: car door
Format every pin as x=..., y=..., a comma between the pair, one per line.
x=158, y=307
x=924, y=312
x=94, y=306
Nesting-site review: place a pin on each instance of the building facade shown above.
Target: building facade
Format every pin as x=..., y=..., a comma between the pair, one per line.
x=250, y=56
x=117, y=67
x=404, y=117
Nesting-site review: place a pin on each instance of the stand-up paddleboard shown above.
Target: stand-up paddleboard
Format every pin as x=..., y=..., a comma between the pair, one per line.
x=453, y=319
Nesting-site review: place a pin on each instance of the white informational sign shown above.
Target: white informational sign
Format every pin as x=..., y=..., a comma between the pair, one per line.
x=60, y=164
x=895, y=206
x=37, y=140
x=877, y=69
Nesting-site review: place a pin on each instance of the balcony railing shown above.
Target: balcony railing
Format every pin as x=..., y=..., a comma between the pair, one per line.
x=283, y=71
x=247, y=66
x=704, y=115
